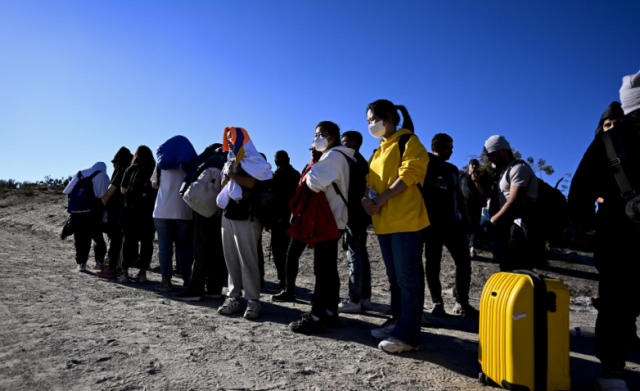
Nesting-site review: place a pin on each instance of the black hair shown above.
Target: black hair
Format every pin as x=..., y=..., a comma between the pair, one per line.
x=354, y=135
x=332, y=129
x=383, y=108
x=474, y=162
x=264, y=156
x=282, y=156
x=440, y=138
x=144, y=157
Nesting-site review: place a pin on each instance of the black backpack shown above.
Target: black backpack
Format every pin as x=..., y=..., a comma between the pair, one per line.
x=551, y=210
x=262, y=205
x=82, y=199
x=140, y=196
x=357, y=216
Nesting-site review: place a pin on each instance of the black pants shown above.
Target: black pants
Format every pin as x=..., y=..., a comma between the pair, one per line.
x=326, y=293
x=454, y=237
x=617, y=259
x=87, y=227
x=279, y=244
x=517, y=246
x=137, y=246
x=210, y=268
x=294, y=251
x=114, y=232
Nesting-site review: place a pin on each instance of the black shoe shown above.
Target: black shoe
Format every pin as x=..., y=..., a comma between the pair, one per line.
x=284, y=296
x=307, y=325
x=186, y=296
x=275, y=287
x=332, y=321
x=177, y=273
x=466, y=311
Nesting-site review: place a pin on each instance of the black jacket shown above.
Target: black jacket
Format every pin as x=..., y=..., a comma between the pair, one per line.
x=285, y=183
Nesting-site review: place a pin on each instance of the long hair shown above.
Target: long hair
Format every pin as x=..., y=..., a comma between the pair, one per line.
x=144, y=157
x=383, y=108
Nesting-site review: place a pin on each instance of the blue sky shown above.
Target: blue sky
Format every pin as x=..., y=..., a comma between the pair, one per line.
x=80, y=79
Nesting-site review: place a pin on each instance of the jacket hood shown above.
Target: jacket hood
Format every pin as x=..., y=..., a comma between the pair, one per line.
x=350, y=153
x=613, y=111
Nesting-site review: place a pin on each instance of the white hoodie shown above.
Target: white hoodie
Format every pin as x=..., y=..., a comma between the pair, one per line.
x=333, y=167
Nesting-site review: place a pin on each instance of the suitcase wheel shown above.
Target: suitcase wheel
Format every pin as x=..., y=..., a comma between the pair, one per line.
x=483, y=379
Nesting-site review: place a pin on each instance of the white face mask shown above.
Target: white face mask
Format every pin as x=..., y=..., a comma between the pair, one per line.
x=377, y=129
x=320, y=143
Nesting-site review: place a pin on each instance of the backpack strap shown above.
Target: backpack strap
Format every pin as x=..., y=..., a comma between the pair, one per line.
x=615, y=164
x=92, y=175
x=337, y=189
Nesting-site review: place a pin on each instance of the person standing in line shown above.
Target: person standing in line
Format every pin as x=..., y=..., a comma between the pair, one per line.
x=241, y=227
x=137, y=217
x=359, y=268
x=515, y=222
x=285, y=183
x=173, y=218
x=399, y=214
x=113, y=203
x=445, y=206
x=329, y=176
x=475, y=191
x=85, y=192
x=295, y=247
x=617, y=235
x=209, y=268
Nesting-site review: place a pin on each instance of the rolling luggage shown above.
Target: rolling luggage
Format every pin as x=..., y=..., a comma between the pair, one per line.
x=524, y=332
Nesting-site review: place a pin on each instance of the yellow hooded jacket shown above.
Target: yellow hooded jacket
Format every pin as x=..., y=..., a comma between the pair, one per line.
x=405, y=212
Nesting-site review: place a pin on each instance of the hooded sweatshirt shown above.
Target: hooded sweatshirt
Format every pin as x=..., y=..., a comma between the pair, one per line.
x=405, y=212
x=612, y=112
x=333, y=168
x=100, y=181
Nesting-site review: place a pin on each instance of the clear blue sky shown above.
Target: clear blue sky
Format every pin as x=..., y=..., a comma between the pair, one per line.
x=80, y=79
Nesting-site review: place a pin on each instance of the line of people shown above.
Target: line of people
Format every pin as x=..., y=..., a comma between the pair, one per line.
x=416, y=201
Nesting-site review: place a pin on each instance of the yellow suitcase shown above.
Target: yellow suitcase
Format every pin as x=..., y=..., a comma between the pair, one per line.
x=524, y=332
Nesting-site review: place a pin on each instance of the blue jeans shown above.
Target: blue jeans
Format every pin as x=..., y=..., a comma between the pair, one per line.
x=180, y=232
x=401, y=254
x=359, y=267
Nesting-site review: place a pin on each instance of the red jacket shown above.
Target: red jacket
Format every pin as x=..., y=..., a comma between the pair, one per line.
x=313, y=219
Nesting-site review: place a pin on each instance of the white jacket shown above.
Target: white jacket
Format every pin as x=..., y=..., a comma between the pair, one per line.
x=333, y=167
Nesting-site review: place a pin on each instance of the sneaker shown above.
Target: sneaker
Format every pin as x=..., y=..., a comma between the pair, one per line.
x=472, y=252
x=108, y=273
x=124, y=277
x=438, y=310
x=394, y=345
x=177, y=273
x=142, y=275
x=385, y=330
x=275, y=288
x=82, y=267
x=307, y=325
x=186, y=296
x=283, y=296
x=97, y=266
x=253, y=310
x=349, y=307
x=215, y=296
x=612, y=382
x=164, y=287
x=230, y=305
x=365, y=304
x=466, y=311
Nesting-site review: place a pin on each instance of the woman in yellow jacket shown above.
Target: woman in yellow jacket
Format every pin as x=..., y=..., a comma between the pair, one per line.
x=399, y=214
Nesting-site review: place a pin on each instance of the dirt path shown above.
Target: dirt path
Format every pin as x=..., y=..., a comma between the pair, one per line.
x=72, y=331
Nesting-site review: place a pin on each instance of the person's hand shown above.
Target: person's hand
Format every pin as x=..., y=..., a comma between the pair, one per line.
x=225, y=180
x=475, y=177
x=380, y=200
x=370, y=207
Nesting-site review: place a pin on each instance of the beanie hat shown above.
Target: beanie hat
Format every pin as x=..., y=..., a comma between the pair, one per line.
x=630, y=93
x=496, y=143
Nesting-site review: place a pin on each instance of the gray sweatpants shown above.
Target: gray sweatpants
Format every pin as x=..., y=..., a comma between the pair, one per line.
x=240, y=245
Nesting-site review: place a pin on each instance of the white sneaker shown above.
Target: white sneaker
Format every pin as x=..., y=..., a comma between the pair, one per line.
x=230, y=305
x=472, y=252
x=394, y=345
x=365, y=304
x=142, y=275
x=253, y=309
x=385, y=331
x=97, y=266
x=82, y=267
x=349, y=307
x=124, y=276
x=604, y=384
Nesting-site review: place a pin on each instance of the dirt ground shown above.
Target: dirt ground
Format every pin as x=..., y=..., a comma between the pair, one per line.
x=63, y=330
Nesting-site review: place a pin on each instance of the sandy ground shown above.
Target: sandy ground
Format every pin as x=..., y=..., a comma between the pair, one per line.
x=63, y=330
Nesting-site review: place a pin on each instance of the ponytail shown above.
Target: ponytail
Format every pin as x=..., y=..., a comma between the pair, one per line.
x=407, y=123
x=382, y=108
